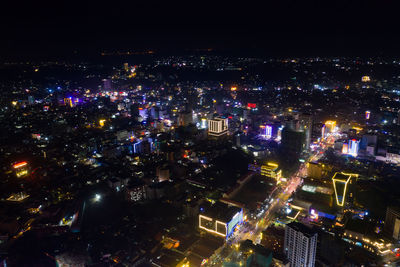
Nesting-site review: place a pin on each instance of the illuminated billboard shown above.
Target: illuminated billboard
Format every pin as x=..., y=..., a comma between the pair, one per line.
x=251, y=105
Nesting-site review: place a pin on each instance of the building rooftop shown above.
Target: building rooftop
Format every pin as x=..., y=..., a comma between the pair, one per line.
x=302, y=228
x=219, y=211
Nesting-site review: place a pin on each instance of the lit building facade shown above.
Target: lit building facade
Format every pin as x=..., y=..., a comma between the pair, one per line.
x=271, y=170
x=220, y=219
x=365, y=79
x=300, y=245
x=218, y=126
x=341, y=181
x=345, y=148
x=330, y=126
x=367, y=114
x=21, y=169
x=354, y=146
x=268, y=132
x=136, y=193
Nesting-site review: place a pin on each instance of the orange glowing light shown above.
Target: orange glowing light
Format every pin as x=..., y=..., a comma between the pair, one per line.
x=20, y=164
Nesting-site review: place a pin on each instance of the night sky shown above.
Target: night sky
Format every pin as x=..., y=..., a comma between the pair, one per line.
x=41, y=28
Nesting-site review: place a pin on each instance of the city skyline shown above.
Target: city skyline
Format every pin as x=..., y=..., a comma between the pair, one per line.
x=200, y=134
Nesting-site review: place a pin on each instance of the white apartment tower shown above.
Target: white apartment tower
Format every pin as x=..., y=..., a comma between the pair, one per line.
x=300, y=245
x=218, y=126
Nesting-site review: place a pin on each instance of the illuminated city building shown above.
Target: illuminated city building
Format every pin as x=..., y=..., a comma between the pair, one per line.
x=220, y=218
x=68, y=102
x=218, y=126
x=271, y=170
x=21, y=169
x=300, y=245
x=354, y=146
x=316, y=170
x=345, y=149
x=101, y=122
x=135, y=192
x=367, y=114
x=203, y=123
x=323, y=129
x=340, y=181
x=143, y=113
x=365, y=79
x=126, y=66
x=268, y=132
x=331, y=126
x=251, y=105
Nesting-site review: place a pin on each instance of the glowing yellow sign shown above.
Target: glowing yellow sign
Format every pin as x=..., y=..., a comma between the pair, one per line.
x=345, y=179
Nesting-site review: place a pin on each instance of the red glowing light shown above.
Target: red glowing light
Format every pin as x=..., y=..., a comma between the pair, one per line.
x=20, y=164
x=251, y=105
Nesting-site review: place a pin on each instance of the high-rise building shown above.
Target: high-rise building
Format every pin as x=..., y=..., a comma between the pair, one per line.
x=218, y=126
x=266, y=131
x=293, y=141
x=392, y=223
x=354, y=146
x=300, y=245
x=341, y=181
x=306, y=122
